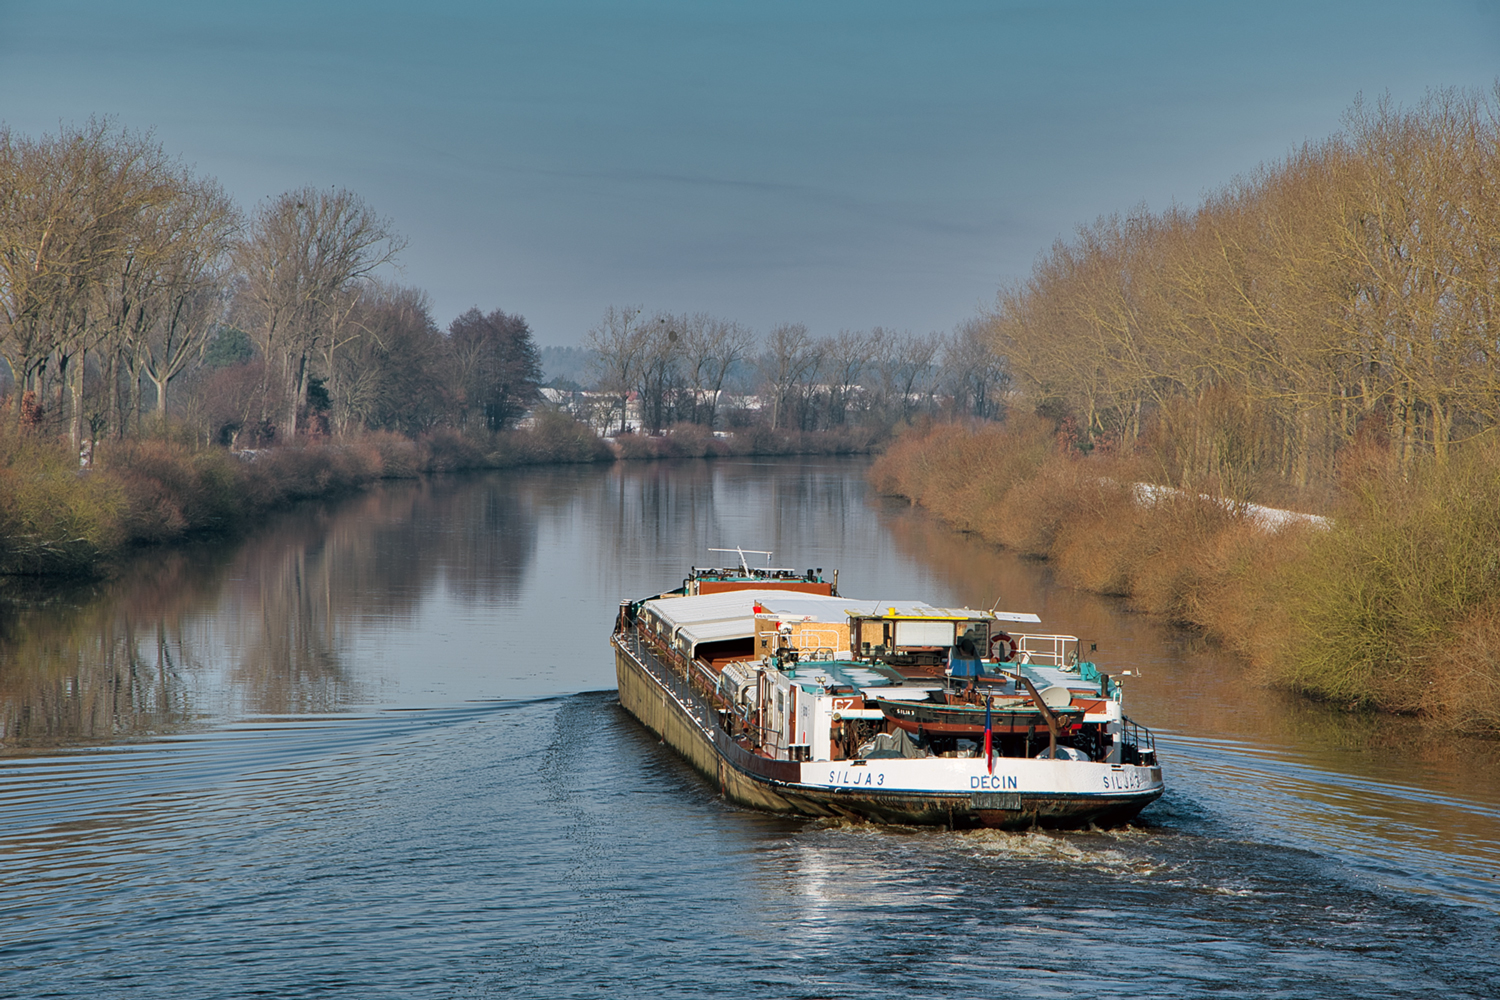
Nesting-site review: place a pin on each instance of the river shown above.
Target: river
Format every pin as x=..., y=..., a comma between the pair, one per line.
x=373, y=751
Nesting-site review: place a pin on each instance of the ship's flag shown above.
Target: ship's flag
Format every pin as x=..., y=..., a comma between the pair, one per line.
x=989, y=737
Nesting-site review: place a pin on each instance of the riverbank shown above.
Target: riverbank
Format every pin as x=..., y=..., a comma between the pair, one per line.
x=696, y=441
x=1395, y=607
x=59, y=520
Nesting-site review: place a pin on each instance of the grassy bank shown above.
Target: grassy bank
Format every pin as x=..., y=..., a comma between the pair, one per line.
x=56, y=520
x=1396, y=607
x=697, y=441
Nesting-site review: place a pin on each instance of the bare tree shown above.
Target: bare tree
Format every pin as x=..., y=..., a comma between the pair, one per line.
x=303, y=254
x=908, y=363
x=659, y=377
x=618, y=341
x=787, y=369
x=1352, y=282
x=974, y=373
x=70, y=207
x=185, y=285
x=388, y=371
x=847, y=357
x=710, y=349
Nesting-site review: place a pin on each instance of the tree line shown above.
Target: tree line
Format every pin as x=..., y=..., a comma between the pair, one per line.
x=1350, y=289
x=692, y=367
x=131, y=287
x=122, y=271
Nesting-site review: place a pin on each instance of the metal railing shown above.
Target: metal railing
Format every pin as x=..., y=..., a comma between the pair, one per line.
x=693, y=702
x=1048, y=650
x=1137, y=739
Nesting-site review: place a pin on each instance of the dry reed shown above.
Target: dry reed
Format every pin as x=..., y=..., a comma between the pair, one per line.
x=1397, y=606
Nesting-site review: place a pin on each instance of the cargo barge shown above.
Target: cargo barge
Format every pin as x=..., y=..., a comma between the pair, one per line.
x=793, y=699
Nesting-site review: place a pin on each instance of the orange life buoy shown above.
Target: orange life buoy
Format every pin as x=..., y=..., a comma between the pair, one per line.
x=1003, y=646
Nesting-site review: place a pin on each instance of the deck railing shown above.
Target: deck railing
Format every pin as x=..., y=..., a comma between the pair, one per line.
x=699, y=707
x=1139, y=739
x=1048, y=650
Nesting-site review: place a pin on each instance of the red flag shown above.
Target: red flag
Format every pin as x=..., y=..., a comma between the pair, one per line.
x=989, y=753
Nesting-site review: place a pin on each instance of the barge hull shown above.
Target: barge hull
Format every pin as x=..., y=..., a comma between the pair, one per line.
x=685, y=722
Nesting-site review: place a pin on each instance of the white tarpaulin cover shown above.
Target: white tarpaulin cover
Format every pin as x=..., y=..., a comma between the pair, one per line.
x=731, y=614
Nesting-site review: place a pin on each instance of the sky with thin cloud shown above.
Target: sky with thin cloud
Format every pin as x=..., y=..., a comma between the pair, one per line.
x=842, y=164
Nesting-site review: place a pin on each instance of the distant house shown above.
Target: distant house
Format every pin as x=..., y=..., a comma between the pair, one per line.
x=600, y=410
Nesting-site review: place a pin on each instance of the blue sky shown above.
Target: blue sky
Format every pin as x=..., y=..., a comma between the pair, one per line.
x=845, y=165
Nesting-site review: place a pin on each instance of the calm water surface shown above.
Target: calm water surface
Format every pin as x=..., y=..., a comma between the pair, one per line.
x=373, y=751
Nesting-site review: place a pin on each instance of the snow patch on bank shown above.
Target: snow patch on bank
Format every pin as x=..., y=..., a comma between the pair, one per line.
x=1265, y=518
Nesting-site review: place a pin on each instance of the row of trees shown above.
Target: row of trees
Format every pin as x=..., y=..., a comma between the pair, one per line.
x=120, y=267
x=392, y=369
x=682, y=367
x=1351, y=288
x=108, y=252
x=127, y=281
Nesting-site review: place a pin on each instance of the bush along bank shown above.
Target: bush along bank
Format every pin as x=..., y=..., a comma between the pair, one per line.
x=58, y=519
x=697, y=441
x=1395, y=606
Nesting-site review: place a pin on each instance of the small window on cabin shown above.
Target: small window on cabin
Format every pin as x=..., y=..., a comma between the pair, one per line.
x=780, y=703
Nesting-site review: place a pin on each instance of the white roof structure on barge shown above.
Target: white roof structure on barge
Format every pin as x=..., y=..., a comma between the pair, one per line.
x=921, y=609
x=731, y=614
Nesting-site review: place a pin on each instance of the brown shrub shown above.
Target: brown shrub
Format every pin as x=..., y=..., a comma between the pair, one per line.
x=688, y=441
x=1383, y=608
x=965, y=473
x=280, y=475
x=561, y=438
x=759, y=440
x=396, y=456
x=636, y=446
x=1192, y=560
x=554, y=436
x=1464, y=677
x=449, y=451
x=1097, y=535
x=1237, y=600
x=169, y=488
x=162, y=486
x=1176, y=532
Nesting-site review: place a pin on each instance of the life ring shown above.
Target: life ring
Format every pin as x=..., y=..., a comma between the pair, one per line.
x=1003, y=646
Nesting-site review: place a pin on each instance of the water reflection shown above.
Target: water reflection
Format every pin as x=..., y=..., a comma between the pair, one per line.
x=194, y=635
x=665, y=517
x=414, y=591
x=85, y=664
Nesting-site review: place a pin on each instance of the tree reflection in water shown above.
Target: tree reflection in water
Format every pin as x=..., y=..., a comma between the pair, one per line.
x=255, y=627
x=97, y=662
x=443, y=574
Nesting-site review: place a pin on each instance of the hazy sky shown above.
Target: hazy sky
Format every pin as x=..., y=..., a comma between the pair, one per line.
x=841, y=164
